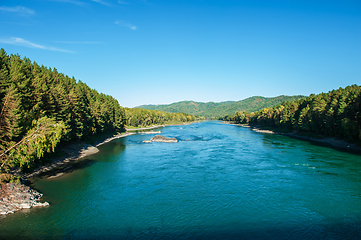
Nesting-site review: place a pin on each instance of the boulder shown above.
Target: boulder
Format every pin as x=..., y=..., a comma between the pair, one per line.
x=159, y=138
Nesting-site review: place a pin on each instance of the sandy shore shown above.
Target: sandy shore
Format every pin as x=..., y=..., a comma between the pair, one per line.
x=10, y=192
x=73, y=153
x=15, y=197
x=78, y=151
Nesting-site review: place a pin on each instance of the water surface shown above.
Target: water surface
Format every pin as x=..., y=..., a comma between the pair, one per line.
x=218, y=182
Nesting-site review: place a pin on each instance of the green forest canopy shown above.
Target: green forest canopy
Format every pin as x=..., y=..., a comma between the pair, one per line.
x=216, y=110
x=334, y=114
x=40, y=107
x=51, y=107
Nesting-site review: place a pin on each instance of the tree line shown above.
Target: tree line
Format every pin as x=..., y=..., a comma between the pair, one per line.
x=138, y=117
x=333, y=114
x=214, y=110
x=40, y=107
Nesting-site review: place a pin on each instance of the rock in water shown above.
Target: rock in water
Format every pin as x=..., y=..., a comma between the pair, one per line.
x=159, y=138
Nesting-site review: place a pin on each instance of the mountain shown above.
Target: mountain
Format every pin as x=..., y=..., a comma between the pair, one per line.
x=215, y=110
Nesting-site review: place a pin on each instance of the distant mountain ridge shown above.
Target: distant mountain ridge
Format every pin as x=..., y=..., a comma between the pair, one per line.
x=221, y=109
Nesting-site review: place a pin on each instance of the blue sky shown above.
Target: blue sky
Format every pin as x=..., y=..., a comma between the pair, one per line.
x=164, y=51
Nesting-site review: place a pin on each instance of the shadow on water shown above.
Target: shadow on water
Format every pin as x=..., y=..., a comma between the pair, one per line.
x=64, y=169
x=272, y=196
x=318, y=231
x=113, y=148
x=343, y=147
x=274, y=139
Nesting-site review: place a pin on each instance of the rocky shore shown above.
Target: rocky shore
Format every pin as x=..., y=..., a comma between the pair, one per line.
x=15, y=197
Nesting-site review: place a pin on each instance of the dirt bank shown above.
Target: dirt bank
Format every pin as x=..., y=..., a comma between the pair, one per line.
x=73, y=153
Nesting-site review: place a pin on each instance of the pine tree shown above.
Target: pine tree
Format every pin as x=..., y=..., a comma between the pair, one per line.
x=4, y=73
x=43, y=137
x=9, y=118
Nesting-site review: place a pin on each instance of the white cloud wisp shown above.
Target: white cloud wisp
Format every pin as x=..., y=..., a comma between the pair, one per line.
x=25, y=43
x=102, y=2
x=18, y=9
x=125, y=24
x=79, y=3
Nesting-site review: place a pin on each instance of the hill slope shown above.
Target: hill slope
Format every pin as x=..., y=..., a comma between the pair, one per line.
x=222, y=109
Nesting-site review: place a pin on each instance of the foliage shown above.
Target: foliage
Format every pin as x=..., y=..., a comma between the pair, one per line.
x=216, y=110
x=137, y=117
x=39, y=107
x=9, y=118
x=6, y=177
x=43, y=137
x=334, y=114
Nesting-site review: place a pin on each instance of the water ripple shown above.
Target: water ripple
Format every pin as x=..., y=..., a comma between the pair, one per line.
x=218, y=182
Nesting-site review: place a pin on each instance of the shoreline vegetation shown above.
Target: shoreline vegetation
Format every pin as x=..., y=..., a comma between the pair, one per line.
x=42, y=109
x=60, y=166
x=80, y=150
x=215, y=110
x=49, y=121
x=332, y=118
x=15, y=197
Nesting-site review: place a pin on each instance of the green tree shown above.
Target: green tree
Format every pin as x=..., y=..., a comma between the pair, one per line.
x=42, y=137
x=9, y=118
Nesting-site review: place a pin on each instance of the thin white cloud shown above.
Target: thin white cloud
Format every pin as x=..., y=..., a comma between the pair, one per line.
x=73, y=42
x=80, y=3
x=25, y=43
x=122, y=2
x=125, y=24
x=102, y=2
x=18, y=9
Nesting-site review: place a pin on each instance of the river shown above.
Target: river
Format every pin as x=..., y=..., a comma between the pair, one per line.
x=219, y=181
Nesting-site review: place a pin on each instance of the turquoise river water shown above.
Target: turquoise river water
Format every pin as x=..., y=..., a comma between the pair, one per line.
x=219, y=181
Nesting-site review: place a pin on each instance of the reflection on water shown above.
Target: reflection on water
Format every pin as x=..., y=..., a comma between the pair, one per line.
x=218, y=182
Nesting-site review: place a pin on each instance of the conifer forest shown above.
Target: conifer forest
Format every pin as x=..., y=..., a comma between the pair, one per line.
x=41, y=107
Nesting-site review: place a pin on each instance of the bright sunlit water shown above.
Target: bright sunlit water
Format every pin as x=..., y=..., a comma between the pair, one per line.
x=218, y=182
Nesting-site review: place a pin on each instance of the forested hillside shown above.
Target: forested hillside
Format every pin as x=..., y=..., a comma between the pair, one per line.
x=216, y=110
x=334, y=114
x=39, y=107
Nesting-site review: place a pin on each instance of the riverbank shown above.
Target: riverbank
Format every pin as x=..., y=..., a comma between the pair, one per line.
x=73, y=152
x=321, y=140
x=14, y=197
x=77, y=151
